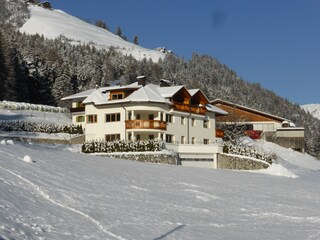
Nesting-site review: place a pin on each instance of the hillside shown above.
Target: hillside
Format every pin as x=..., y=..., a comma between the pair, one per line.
x=313, y=109
x=54, y=192
x=48, y=192
x=48, y=23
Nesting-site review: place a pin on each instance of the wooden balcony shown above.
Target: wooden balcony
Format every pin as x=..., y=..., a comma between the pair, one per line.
x=77, y=109
x=219, y=133
x=146, y=124
x=189, y=108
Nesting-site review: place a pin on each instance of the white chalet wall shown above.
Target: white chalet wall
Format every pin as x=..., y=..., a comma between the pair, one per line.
x=97, y=131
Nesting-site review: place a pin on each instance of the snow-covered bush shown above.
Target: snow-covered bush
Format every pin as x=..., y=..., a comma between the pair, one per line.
x=28, y=106
x=122, y=146
x=18, y=126
x=248, y=151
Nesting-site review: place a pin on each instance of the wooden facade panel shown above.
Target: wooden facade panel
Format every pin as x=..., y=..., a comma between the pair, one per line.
x=241, y=115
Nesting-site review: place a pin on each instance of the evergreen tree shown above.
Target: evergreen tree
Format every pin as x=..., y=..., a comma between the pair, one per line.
x=135, y=40
x=102, y=24
x=118, y=32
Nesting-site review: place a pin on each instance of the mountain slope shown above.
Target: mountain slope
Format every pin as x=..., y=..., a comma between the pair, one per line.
x=47, y=192
x=313, y=109
x=53, y=23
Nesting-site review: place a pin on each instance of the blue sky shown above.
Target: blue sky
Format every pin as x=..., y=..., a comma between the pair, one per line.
x=272, y=42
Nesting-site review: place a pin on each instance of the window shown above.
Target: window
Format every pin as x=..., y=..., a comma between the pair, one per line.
x=91, y=118
x=151, y=116
x=151, y=137
x=138, y=137
x=169, y=138
x=112, y=137
x=80, y=119
x=182, y=121
x=169, y=118
x=130, y=137
x=193, y=122
x=113, y=117
x=193, y=140
x=79, y=105
x=182, y=140
x=205, y=123
x=138, y=117
x=205, y=141
x=116, y=96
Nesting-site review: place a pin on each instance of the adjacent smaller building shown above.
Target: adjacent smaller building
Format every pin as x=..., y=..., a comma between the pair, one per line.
x=262, y=125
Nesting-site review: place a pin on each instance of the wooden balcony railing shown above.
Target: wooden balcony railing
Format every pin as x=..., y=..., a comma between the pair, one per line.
x=219, y=133
x=146, y=124
x=77, y=109
x=189, y=108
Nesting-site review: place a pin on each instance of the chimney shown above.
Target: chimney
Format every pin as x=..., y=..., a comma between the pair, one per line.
x=142, y=80
x=165, y=83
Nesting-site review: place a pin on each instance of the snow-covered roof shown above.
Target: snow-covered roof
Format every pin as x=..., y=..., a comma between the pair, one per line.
x=148, y=93
x=87, y=93
x=79, y=95
x=96, y=97
x=168, y=92
x=193, y=91
x=216, y=110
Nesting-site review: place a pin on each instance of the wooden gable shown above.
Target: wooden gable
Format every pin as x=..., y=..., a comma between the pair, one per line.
x=182, y=96
x=199, y=98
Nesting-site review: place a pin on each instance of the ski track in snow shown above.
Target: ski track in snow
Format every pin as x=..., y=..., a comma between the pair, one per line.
x=47, y=197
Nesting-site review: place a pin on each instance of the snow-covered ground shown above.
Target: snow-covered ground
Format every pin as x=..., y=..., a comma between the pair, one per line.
x=35, y=116
x=53, y=23
x=55, y=192
x=313, y=109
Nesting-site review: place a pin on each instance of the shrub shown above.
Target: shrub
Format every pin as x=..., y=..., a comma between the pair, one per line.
x=122, y=146
x=248, y=151
x=18, y=126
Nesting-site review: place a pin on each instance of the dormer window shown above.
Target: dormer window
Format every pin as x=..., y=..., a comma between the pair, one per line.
x=116, y=96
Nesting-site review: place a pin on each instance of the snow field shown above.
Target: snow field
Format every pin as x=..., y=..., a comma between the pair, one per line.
x=65, y=195
x=48, y=23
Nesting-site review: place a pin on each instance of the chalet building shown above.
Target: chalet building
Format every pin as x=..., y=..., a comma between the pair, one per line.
x=262, y=125
x=183, y=118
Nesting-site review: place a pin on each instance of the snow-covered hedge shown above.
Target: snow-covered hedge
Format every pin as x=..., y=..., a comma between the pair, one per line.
x=248, y=151
x=28, y=106
x=122, y=146
x=18, y=126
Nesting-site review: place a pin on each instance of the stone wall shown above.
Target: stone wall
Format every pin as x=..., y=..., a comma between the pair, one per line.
x=164, y=158
x=226, y=161
x=77, y=140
